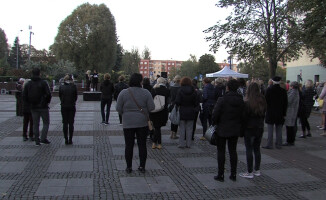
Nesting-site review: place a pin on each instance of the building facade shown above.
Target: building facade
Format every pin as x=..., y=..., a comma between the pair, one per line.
x=152, y=68
x=305, y=68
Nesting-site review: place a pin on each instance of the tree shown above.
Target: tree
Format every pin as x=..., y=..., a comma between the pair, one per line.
x=207, y=64
x=118, y=61
x=130, y=61
x=146, y=53
x=88, y=38
x=13, y=55
x=258, y=28
x=313, y=15
x=3, y=44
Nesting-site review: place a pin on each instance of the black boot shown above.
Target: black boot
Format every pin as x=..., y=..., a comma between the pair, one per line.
x=219, y=177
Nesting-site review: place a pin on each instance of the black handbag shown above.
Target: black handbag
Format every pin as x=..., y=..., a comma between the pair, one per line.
x=211, y=134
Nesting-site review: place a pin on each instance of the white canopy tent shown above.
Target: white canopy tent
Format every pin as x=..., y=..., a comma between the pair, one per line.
x=227, y=72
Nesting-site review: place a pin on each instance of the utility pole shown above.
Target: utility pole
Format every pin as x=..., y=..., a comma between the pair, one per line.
x=30, y=41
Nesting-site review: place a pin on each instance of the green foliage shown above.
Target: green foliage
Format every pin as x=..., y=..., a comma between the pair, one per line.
x=130, y=61
x=207, y=65
x=257, y=28
x=13, y=55
x=146, y=53
x=313, y=13
x=3, y=44
x=188, y=68
x=88, y=38
x=118, y=62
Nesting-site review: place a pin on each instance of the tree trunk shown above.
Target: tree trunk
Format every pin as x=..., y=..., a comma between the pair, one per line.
x=272, y=68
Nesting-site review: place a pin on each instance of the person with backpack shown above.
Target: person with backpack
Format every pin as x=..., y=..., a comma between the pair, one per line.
x=117, y=89
x=68, y=97
x=38, y=95
x=107, y=90
x=159, y=117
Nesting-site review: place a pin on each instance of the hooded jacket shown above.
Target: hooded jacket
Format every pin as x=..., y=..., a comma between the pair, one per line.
x=107, y=89
x=37, y=90
x=68, y=94
x=228, y=115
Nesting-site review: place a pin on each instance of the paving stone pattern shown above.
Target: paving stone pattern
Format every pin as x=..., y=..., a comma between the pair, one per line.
x=94, y=166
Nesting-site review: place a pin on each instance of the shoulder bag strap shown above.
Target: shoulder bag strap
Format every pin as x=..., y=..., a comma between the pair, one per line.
x=140, y=108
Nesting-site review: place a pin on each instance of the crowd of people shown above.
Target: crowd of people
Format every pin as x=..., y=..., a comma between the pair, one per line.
x=237, y=107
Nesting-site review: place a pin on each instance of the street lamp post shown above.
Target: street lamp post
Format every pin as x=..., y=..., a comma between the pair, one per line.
x=30, y=41
x=17, y=50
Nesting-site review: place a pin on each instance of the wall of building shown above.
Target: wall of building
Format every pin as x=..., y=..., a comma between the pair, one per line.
x=307, y=68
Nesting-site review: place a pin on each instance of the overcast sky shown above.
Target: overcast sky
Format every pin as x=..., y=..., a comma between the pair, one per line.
x=171, y=29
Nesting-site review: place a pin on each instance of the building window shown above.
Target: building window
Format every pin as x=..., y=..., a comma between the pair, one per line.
x=145, y=68
x=141, y=72
x=141, y=67
x=172, y=63
x=145, y=72
x=145, y=63
x=141, y=63
x=169, y=63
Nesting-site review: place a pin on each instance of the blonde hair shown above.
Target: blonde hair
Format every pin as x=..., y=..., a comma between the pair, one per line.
x=159, y=81
x=309, y=83
x=107, y=76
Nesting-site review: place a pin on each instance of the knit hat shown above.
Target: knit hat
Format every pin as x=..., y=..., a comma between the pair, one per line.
x=276, y=80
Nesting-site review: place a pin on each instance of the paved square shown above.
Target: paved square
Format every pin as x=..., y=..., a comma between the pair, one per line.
x=81, y=140
x=120, y=151
x=208, y=181
x=151, y=164
x=5, y=185
x=319, y=154
x=70, y=166
x=176, y=150
x=198, y=162
x=315, y=195
x=290, y=175
x=267, y=197
x=265, y=159
x=73, y=151
x=12, y=167
x=132, y=185
x=18, y=152
x=15, y=141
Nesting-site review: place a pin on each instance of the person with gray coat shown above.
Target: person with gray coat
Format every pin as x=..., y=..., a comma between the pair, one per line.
x=134, y=104
x=292, y=113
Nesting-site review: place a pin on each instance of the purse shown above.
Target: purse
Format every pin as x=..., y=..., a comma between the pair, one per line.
x=175, y=115
x=321, y=103
x=211, y=134
x=149, y=122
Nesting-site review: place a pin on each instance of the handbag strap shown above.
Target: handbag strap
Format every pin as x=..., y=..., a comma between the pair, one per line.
x=140, y=108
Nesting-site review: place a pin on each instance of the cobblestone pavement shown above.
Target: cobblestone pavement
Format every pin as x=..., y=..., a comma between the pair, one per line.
x=93, y=167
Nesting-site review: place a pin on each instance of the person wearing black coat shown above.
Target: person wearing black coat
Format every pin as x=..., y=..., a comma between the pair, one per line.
x=173, y=92
x=117, y=89
x=28, y=119
x=187, y=100
x=159, y=118
x=107, y=90
x=305, y=107
x=228, y=116
x=68, y=97
x=277, y=102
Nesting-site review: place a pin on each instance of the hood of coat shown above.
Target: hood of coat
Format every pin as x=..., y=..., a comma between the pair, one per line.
x=234, y=98
x=187, y=90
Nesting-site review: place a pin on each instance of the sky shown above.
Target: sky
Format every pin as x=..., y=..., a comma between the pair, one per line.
x=171, y=29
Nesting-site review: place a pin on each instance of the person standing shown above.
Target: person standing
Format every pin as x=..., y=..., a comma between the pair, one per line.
x=88, y=80
x=159, y=118
x=68, y=97
x=95, y=80
x=173, y=92
x=228, y=116
x=19, y=98
x=187, y=100
x=292, y=113
x=277, y=103
x=323, y=110
x=28, y=119
x=38, y=95
x=307, y=102
x=134, y=113
x=209, y=100
x=107, y=90
x=254, y=115
x=197, y=108
x=117, y=89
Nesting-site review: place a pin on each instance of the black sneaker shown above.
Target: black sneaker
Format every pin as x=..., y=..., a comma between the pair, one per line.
x=45, y=141
x=37, y=144
x=31, y=139
x=141, y=169
x=25, y=139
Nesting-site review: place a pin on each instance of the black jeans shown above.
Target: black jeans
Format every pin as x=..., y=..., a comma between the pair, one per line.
x=157, y=135
x=194, y=126
x=68, y=119
x=174, y=127
x=232, y=146
x=107, y=103
x=252, y=143
x=304, y=123
x=207, y=117
x=28, y=119
x=129, y=135
x=290, y=134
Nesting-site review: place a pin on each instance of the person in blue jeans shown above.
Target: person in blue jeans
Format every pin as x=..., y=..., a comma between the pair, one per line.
x=254, y=115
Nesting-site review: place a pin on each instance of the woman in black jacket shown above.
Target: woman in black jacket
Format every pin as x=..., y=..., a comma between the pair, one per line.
x=107, y=90
x=254, y=115
x=228, y=116
x=305, y=107
x=68, y=98
x=159, y=118
x=187, y=100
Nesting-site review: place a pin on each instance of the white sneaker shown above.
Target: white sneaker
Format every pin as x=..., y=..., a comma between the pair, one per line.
x=257, y=173
x=246, y=175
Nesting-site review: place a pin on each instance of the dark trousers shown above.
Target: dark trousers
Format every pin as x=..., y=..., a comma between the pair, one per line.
x=304, y=123
x=194, y=126
x=28, y=119
x=107, y=103
x=68, y=119
x=157, y=135
x=38, y=113
x=19, y=105
x=94, y=85
x=174, y=127
x=120, y=119
x=207, y=117
x=252, y=143
x=232, y=146
x=290, y=134
x=129, y=135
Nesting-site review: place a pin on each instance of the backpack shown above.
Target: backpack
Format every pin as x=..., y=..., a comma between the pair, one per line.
x=159, y=102
x=35, y=92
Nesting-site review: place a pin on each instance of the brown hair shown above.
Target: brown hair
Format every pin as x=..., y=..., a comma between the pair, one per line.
x=107, y=76
x=121, y=78
x=185, y=81
x=256, y=102
x=207, y=80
